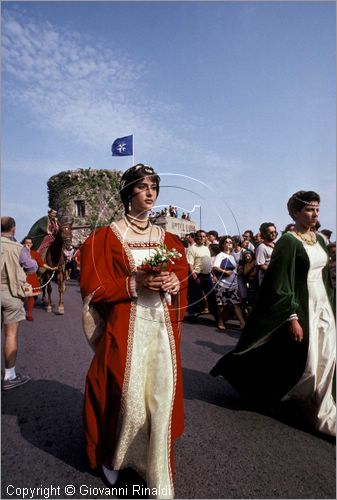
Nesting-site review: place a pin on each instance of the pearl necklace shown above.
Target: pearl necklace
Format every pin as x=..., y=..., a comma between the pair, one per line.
x=132, y=225
x=310, y=241
x=131, y=217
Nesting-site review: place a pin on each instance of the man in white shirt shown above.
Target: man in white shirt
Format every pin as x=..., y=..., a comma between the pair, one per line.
x=265, y=249
x=190, y=238
x=200, y=278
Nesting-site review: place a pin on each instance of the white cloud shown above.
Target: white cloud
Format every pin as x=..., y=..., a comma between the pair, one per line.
x=76, y=86
x=14, y=28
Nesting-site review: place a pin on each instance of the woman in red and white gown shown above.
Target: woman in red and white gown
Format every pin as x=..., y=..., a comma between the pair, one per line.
x=133, y=407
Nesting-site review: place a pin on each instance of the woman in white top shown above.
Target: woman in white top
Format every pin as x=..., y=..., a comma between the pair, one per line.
x=225, y=270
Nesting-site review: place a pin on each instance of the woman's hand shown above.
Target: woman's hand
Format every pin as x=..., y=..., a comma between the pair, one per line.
x=163, y=281
x=223, y=272
x=49, y=267
x=295, y=330
x=171, y=284
x=151, y=281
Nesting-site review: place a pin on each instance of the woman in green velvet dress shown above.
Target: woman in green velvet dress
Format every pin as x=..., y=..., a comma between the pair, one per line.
x=288, y=346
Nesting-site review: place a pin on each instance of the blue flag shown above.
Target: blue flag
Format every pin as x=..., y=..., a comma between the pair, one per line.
x=122, y=146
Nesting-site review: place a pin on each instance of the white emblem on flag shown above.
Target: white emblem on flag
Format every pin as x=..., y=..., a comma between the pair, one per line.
x=121, y=147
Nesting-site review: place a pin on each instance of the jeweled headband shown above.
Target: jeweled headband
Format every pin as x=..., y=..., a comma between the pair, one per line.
x=147, y=170
x=305, y=202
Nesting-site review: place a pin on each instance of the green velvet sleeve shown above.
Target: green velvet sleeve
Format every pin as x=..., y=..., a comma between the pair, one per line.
x=277, y=297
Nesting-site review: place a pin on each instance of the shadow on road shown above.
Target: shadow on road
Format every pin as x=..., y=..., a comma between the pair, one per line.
x=289, y=412
x=218, y=349
x=204, y=387
x=49, y=416
x=217, y=391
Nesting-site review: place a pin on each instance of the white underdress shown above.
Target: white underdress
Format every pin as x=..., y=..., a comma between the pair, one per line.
x=314, y=390
x=144, y=437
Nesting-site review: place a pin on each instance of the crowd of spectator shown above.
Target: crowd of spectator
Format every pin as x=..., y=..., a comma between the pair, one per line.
x=225, y=272
x=170, y=211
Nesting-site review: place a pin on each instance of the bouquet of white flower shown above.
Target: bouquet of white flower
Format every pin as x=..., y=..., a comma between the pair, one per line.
x=158, y=262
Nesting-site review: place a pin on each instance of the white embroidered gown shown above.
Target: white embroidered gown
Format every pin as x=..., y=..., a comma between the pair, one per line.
x=144, y=437
x=314, y=390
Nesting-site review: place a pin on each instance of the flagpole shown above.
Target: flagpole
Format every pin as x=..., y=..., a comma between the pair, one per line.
x=133, y=150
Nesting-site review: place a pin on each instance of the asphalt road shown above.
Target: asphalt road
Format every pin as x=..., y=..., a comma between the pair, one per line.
x=227, y=451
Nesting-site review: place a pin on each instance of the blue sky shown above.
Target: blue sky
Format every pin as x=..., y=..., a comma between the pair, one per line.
x=233, y=103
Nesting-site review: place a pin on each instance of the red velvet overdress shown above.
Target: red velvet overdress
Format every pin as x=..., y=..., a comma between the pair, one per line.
x=106, y=270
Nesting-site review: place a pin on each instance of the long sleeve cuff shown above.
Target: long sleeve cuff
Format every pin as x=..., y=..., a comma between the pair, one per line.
x=292, y=316
x=133, y=290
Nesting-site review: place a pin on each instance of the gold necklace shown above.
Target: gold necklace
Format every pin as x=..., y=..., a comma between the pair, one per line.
x=310, y=241
x=132, y=225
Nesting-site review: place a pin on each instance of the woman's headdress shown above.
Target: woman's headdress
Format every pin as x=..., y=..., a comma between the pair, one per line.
x=133, y=175
x=301, y=199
